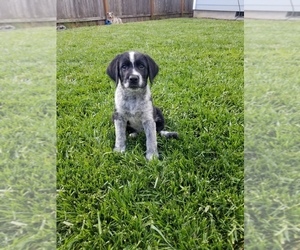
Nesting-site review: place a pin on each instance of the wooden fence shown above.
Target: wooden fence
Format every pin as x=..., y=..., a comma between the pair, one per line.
x=94, y=11
x=91, y=11
x=22, y=11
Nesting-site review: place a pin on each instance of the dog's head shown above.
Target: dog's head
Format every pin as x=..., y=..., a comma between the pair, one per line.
x=132, y=70
x=109, y=15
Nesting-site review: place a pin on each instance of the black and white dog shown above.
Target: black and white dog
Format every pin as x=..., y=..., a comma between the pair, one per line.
x=134, y=110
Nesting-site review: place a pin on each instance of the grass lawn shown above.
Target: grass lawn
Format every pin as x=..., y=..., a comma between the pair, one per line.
x=192, y=198
x=27, y=139
x=272, y=149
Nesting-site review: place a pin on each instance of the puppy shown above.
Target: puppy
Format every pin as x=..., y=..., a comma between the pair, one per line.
x=61, y=27
x=113, y=19
x=134, y=110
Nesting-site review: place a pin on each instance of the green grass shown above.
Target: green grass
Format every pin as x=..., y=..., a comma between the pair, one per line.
x=272, y=149
x=190, y=199
x=27, y=139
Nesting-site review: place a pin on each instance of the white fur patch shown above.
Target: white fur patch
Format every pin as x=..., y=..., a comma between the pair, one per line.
x=131, y=57
x=134, y=71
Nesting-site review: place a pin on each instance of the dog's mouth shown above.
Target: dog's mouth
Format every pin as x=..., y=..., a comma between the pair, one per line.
x=134, y=82
x=132, y=85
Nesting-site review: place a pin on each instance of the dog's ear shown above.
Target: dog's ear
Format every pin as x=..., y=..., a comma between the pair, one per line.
x=152, y=67
x=113, y=69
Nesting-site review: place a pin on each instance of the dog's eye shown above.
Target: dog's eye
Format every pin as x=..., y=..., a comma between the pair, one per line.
x=124, y=67
x=141, y=66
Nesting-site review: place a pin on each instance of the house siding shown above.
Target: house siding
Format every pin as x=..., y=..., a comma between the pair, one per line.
x=247, y=5
x=219, y=5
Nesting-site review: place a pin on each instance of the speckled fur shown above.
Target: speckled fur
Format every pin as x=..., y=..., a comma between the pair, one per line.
x=134, y=110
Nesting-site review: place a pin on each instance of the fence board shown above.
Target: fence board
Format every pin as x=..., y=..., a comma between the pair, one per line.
x=128, y=8
x=27, y=10
x=165, y=7
x=115, y=6
x=188, y=6
x=174, y=7
x=143, y=7
x=80, y=9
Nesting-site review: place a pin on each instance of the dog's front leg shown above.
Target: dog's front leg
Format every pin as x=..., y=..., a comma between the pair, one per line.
x=151, y=143
x=120, y=131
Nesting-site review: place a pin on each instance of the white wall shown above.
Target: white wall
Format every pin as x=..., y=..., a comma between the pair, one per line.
x=251, y=5
x=219, y=5
x=274, y=5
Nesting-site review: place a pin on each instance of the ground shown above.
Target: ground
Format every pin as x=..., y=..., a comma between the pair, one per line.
x=272, y=157
x=192, y=198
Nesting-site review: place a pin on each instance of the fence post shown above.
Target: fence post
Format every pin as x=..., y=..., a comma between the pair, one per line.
x=105, y=7
x=182, y=7
x=151, y=9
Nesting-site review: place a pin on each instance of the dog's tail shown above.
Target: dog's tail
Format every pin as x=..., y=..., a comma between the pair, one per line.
x=169, y=135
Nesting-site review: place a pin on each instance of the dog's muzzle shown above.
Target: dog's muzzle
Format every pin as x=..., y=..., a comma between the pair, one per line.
x=134, y=81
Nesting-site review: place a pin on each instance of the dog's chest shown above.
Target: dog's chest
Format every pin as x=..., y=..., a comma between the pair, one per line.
x=116, y=20
x=134, y=108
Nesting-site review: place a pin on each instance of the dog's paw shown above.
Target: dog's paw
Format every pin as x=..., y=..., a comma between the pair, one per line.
x=169, y=135
x=133, y=135
x=119, y=149
x=151, y=155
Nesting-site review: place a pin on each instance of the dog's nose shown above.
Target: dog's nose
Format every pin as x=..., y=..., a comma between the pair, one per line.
x=134, y=79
